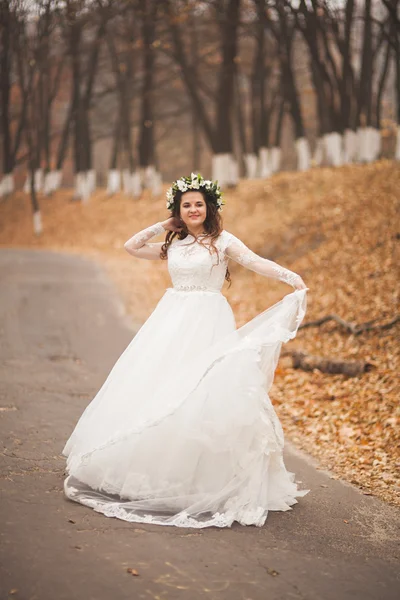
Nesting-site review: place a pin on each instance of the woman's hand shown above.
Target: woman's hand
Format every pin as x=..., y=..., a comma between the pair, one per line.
x=172, y=224
x=299, y=284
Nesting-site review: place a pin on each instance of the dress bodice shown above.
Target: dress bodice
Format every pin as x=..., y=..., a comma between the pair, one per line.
x=192, y=266
x=198, y=266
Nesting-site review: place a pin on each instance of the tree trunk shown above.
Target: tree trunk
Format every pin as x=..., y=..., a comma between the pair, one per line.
x=345, y=87
x=5, y=66
x=275, y=159
x=219, y=135
x=381, y=87
x=6, y=186
x=146, y=135
x=307, y=362
x=224, y=142
x=196, y=145
x=240, y=127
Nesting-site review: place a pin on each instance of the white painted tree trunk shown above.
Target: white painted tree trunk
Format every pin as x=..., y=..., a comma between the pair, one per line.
x=27, y=184
x=378, y=145
x=275, y=154
x=85, y=187
x=303, y=154
x=114, y=182
x=225, y=169
x=52, y=182
x=350, y=146
x=251, y=162
x=221, y=169
x=136, y=184
x=369, y=144
x=264, y=163
x=91, y=179
x=157, y=184
x=78, y=185
x=57, y=180
x=333, y=148
x=7, y=185
x=397, y=149
x=149, y=176
x=127, y=182
x=374, y=143
x=48, y=183
x=39, y=180
x=233, y=171
x=37, y=223
x=362, y=154
x=318, y=155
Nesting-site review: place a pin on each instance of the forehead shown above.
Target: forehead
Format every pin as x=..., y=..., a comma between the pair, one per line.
x=192, y=197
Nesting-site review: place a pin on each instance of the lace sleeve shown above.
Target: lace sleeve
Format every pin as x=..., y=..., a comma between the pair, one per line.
x=137, y=245
x=239, y=252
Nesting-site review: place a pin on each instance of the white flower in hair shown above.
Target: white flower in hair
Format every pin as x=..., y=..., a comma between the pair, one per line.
x=170, y=198
x=195, y=182
x=182, y=185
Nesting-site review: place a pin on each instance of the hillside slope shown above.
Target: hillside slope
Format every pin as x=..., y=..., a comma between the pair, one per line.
x=338, y=228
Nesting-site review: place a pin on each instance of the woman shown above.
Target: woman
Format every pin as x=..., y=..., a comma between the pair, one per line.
x=182, y=431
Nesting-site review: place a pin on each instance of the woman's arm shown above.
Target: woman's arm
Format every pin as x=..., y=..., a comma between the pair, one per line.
x=240, y=253
x=137, y=245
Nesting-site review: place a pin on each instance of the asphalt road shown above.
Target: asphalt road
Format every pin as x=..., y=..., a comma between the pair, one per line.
x=62, y=327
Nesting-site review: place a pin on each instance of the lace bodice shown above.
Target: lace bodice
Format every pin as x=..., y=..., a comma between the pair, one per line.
x=193, y=267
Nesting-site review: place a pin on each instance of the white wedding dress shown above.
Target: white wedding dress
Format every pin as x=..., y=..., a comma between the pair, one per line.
x=183, y=432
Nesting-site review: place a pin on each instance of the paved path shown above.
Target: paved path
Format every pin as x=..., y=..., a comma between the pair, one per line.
x=62, y=327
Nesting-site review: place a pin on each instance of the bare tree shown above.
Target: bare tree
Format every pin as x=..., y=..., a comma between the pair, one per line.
x=393, y=7
x=83, y=83
x=218, y=133
x=12, y=21
x=148, y=10
x=282, y=24
x=347, y=100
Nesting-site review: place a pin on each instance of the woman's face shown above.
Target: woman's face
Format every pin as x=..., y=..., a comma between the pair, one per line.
x=193, y=209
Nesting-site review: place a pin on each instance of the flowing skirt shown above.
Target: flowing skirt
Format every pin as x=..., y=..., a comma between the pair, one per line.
x=183, y=432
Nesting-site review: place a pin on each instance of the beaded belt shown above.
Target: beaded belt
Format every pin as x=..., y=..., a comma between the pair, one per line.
x=194, y=288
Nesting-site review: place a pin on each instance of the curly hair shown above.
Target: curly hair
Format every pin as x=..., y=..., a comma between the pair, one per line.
x=212, y=226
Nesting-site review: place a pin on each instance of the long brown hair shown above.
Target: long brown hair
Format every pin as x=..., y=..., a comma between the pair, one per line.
x=212, y=226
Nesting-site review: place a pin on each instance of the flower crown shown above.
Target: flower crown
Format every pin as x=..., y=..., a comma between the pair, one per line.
x=195, y=182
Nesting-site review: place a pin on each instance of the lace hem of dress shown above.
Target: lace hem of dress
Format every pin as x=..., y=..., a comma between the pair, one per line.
x=250, y=517
x=242, y=515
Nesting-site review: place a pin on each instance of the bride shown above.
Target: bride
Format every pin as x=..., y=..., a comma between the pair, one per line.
x=183, y=432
